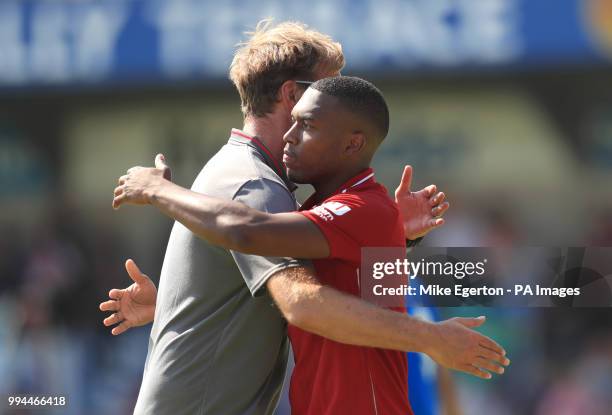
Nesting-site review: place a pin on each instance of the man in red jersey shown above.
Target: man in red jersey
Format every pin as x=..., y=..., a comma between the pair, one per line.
x=338, y=125
x=352, y=211
x=331, y=377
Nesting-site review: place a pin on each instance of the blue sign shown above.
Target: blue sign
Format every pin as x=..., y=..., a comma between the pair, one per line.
x=65, y=42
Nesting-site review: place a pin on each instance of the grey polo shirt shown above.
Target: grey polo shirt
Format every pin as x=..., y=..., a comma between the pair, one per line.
x=218, y=345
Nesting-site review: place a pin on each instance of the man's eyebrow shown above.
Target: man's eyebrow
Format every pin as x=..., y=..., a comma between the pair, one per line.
x=304, y=116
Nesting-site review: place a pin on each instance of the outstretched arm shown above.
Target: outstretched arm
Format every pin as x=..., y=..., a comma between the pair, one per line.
x=221, y=222
x=322, y=310
x=325, y=311
x=233, y=225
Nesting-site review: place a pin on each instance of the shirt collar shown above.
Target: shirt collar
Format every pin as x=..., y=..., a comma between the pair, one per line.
x=366, y=176
x=254, y=142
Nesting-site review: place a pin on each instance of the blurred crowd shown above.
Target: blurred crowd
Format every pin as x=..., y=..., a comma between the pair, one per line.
x=52, y=342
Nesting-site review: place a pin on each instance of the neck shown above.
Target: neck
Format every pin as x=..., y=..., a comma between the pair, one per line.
x=325, y=188
x=270, y=130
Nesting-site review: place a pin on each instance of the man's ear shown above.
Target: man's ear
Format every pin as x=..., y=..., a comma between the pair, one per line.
x=288, y=95
x=356, y=143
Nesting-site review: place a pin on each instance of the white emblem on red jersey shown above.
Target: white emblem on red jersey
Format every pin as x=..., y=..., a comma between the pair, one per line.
x=322, y=213
x=326, y=209
x=336, y=208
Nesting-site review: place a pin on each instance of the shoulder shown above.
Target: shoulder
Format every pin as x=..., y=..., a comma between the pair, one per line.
x=246, y=161
x=358, y=219
x=369, y=212
x=233, y=168
x=373, y=202
x=267, y=195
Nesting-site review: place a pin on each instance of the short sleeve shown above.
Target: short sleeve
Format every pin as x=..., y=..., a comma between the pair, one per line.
x=272, y=197
x=349, y=222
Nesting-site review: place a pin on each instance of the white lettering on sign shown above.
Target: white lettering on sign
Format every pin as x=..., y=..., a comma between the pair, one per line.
x=95, y=37
x=200, y=36
x=65, y=43
x=58, y=41
x=12, y=47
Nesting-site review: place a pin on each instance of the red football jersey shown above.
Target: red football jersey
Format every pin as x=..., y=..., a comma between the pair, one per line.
x=332, y=378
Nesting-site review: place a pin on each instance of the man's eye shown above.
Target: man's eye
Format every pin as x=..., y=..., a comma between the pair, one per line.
x=305, y=124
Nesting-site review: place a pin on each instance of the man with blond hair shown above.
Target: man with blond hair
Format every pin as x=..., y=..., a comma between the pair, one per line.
x=218, y=345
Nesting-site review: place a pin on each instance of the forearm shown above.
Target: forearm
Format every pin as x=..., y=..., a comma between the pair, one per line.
x=344, y=318
x=220, y=222
x=347, y=319
x=228, y=223
x=234, y=225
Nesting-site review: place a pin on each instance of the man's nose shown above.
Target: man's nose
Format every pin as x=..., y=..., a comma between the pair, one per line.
x=290, y=136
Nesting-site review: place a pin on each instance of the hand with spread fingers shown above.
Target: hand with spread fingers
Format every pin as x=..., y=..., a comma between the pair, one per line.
x=132, y=306
x=455, y=345
x=136, y=186
x=421, y=210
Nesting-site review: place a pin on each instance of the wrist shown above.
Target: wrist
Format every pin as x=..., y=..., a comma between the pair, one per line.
x=428, y=337
x=152, y=313
x=152, y=193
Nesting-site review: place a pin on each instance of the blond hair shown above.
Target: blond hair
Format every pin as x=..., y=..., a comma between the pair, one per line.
x=275, y=54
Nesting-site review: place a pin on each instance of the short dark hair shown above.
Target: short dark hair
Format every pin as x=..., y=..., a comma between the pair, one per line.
x=359, y=97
